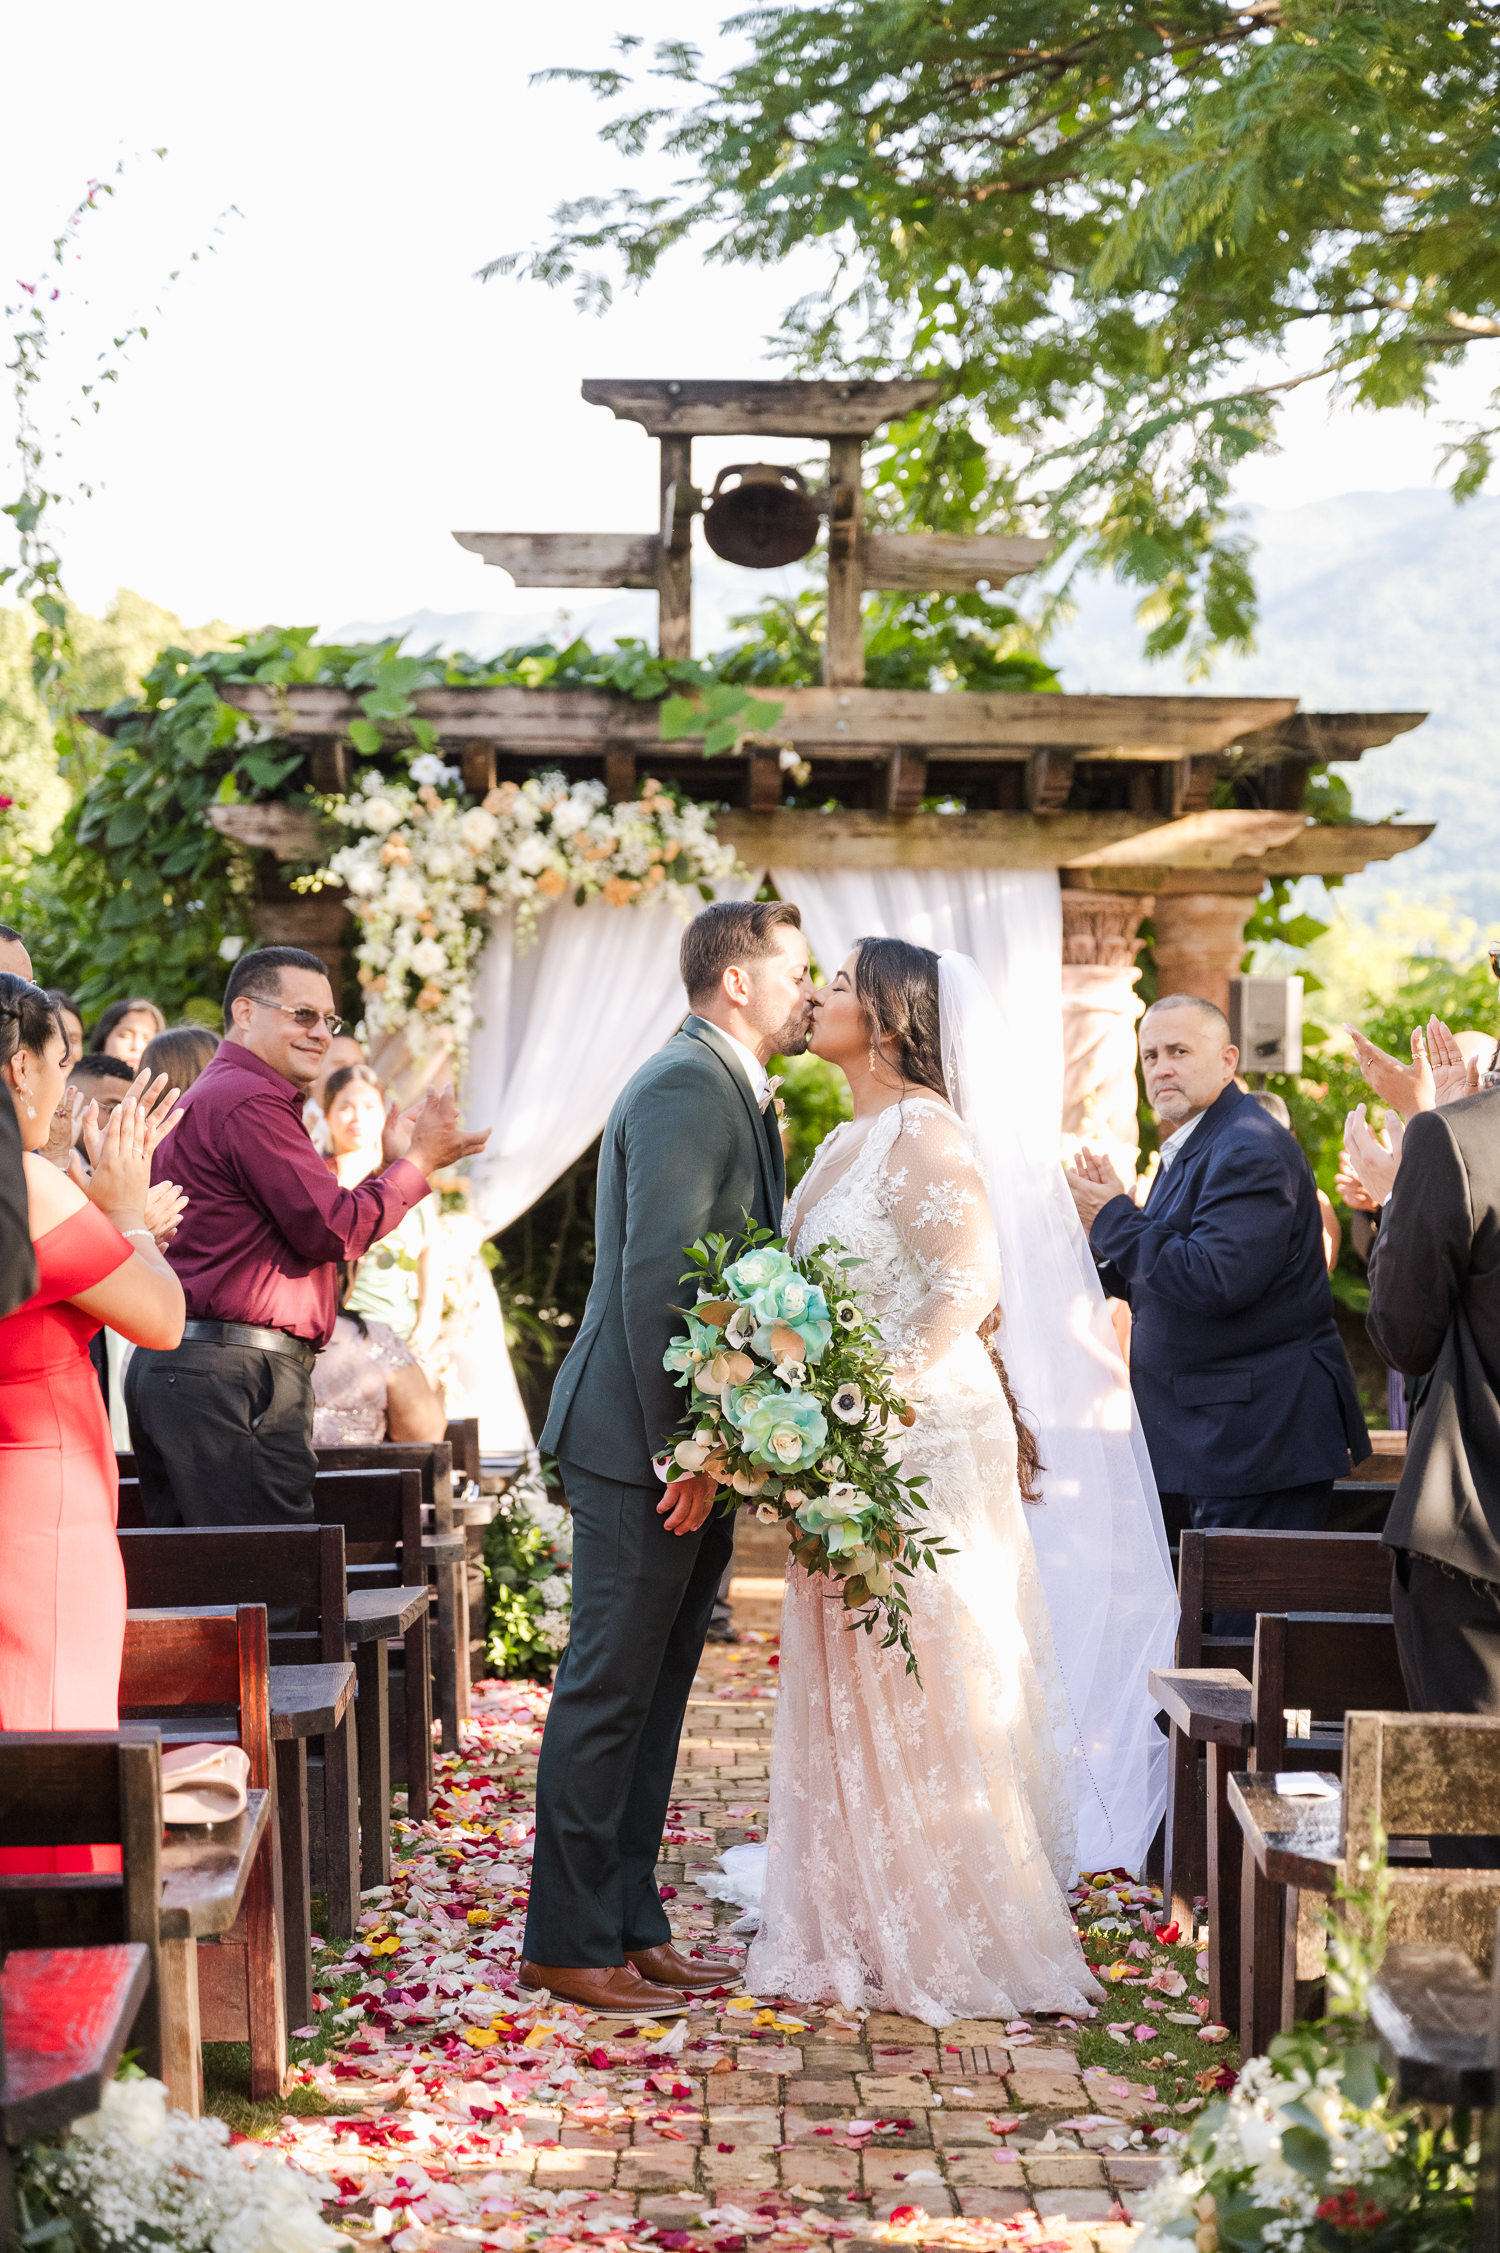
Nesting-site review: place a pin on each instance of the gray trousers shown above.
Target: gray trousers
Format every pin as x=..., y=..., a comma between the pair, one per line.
x=641, y=1601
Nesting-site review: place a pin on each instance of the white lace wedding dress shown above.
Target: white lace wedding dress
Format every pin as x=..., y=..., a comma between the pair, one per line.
x=920, y=1836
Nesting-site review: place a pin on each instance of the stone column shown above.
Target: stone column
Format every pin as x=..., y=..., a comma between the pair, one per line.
x=1200, y=941
x=1100, y=1010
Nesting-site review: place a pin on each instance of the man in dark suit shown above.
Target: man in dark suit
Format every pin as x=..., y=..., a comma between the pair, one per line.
x=1435, y=1307
x=692, y=1147
x=1247, y=1400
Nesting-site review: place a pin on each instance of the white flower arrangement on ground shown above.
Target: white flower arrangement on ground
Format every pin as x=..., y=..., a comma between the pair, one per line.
x=427, y=875
x=1307, y=2155
x=134, y=2174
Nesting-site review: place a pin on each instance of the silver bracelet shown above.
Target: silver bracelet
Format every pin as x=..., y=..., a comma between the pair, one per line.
x=150, y=1239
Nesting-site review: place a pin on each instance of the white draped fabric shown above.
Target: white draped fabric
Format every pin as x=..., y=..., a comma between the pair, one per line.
x=1099, y=1539
x=560, y=1025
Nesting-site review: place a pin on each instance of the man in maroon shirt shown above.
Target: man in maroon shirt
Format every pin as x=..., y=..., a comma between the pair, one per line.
x=222, y=1425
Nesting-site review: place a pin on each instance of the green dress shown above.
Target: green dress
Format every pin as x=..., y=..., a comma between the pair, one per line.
x=385, y=1289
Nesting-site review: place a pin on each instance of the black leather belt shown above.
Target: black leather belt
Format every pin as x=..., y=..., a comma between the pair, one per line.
x=249, y=1334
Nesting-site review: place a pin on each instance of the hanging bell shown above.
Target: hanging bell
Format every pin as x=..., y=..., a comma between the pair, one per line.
x=768, y=518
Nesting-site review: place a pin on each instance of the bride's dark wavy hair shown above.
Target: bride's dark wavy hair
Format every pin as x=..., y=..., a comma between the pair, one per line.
x=896, y=986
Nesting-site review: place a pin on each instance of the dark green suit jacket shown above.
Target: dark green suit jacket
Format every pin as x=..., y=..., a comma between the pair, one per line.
x=686, y=1153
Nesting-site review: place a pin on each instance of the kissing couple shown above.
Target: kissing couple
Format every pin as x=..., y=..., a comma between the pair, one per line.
x=922, y=1832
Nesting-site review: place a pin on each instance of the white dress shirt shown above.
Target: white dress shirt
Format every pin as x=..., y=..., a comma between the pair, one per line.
x=753, y=1069
x=1172, y=1149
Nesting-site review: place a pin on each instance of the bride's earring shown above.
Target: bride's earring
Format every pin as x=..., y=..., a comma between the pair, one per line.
x=872, y=1056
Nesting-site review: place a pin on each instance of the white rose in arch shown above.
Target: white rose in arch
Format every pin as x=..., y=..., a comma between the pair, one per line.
x=380, y=815
x=428, y=959
x=478, y=829
x=531, y=855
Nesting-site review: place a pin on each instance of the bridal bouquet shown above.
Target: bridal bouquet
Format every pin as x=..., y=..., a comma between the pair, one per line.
x=789, y=1400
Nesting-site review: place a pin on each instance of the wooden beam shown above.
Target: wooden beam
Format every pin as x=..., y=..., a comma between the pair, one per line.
x=756, y=406
x=674, y=568
x=568, y=559
x=923, y=561
x=905, y=782
x=819, y=721
x=844, y=638
x=619, y=772
x=679, y=505
x=1049, y=781
x=1192, y=784
x=1077, y=843
x=1203, y=840
x=328, y=766
x=1319, y=736
x=477, y=762
x=765, y=780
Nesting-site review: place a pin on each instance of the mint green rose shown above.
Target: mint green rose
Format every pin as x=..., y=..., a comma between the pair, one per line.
x=782, y=1429
x=793, y=1303
x=686, y=1354
x=841, y=1530
x=755, y=1269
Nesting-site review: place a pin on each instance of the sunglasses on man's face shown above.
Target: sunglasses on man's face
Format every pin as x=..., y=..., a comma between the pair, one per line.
x=305, y=1020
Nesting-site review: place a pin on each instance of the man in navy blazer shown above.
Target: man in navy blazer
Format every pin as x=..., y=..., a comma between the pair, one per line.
x=1246, y=1396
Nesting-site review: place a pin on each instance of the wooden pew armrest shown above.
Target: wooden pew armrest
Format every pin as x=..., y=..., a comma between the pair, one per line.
x=309, y=1701
x=379, y=1614
x=1211, y=1704
x=443, y=1548
x=1294, y=1841
x=205, y=1869
x=68, y=2014
x=1430, y=2010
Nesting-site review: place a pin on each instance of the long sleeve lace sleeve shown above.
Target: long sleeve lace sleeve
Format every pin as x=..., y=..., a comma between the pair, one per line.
x=935, y=1195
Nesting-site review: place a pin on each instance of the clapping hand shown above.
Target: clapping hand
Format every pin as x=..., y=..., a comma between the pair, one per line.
x=1350, y=1190
x=1453, y=1074
x=1374, y=1157
x=1094, y=1184
x=437, y=1136
x=164, y=1210
x=62, y=1133
x=1407, y=1088
x=157, y=1111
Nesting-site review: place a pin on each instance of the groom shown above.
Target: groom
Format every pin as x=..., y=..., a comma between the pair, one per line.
x=692, y=1147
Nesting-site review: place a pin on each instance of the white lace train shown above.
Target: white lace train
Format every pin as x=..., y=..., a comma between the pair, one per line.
x=920, y=1836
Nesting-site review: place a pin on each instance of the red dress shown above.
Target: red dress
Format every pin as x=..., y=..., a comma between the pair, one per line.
x=62, y=1583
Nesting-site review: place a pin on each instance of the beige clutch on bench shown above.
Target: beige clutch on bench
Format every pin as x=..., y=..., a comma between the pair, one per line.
x=204, y=1783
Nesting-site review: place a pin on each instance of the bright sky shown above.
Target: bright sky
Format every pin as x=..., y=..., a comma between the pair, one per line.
x=326, y=396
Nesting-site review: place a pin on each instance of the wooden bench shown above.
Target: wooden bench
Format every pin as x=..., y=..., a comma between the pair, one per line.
x=182, y=1669
x=1206, y=1696
x=65, y=2018
x=1431, y=2012
x=1322, y=1663
x=291, y=1568
x=97, y=1787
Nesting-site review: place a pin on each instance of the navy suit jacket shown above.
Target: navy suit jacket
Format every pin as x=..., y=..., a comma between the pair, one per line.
x=1236, y=1363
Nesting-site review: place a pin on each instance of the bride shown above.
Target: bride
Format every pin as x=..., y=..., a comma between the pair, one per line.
x=921, y=1836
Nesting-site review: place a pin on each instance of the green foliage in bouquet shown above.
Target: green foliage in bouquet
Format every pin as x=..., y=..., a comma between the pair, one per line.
x=789, y=1400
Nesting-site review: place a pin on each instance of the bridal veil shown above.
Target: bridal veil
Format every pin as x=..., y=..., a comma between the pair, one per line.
x=1098, y=1535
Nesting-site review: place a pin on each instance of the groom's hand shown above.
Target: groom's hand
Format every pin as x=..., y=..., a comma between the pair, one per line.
x=687, y=1503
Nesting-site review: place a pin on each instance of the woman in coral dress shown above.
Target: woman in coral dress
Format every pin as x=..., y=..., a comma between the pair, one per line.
x=62, y=1586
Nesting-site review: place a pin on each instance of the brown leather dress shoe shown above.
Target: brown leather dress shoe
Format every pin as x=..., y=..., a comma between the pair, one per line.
x=667, y=1969
x=608, y=1990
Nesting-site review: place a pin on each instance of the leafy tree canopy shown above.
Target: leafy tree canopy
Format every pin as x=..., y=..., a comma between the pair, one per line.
x=1121, y=233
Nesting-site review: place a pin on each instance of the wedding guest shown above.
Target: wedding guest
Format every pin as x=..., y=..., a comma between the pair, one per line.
x=1247, y=1400
x=98, y=1080
x=62, y=1592
x=17, y=1259
x=124, y=1030
x=341, y=1053
x=1435, y=1313
x=65, y=1010
x=222, y=1426
x=368, y=1385
x=13, y=956
x=182, y=1052
x=399, y=1282
x=103, y=1081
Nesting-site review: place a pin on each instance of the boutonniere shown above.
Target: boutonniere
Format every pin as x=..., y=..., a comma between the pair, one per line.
x=775, y=1083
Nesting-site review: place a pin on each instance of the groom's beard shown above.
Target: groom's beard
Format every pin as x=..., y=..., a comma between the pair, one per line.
x=794, y=1035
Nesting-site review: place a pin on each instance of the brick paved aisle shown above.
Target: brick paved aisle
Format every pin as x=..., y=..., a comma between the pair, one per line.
x=473, y=2116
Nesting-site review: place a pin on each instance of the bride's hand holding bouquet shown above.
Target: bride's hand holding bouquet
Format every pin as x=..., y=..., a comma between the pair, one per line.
x=789, y=1402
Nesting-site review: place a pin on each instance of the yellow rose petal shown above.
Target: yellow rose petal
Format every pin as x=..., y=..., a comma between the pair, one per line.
x=479, y=1916
x=480, y=2037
